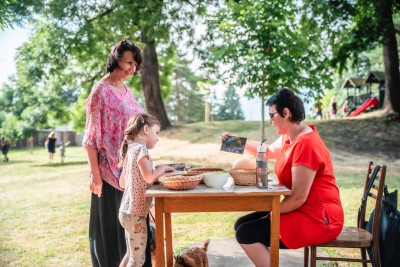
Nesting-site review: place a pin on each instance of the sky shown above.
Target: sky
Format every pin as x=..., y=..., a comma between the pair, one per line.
x=11, y=39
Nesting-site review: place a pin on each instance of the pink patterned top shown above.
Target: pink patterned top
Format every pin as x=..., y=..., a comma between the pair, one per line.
x=107, y=114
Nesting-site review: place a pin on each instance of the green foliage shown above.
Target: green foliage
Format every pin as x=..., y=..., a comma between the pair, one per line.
x=70, y=41
x=186, y=101
x=14, y=12
x=11, y=129
x=230, y=108
x=265, y=46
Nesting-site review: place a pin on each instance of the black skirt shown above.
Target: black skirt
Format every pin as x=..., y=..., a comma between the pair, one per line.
x=106, y=235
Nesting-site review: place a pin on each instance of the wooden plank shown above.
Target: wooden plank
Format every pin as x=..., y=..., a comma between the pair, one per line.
x=168, y=235
x=159, y=208
x=217, y=204
x=274, y=241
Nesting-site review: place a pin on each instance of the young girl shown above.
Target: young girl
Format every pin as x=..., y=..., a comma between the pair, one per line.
x=136, y=177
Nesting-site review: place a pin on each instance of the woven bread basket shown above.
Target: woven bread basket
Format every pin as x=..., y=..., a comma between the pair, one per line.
x=181, y=181
x=243, y=176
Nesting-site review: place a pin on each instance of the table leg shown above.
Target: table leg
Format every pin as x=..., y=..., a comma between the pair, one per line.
x=159, y=208
x=168, y=241
x=274, y=252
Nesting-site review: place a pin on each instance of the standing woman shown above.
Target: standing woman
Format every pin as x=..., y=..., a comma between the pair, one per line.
x=51, y=145
x=108, y=109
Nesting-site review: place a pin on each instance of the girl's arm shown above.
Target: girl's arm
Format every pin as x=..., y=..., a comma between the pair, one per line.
x=302, y=178
x=148, y=174
x=122, y=179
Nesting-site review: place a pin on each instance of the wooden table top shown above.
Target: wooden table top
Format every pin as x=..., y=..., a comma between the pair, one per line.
x=201, y=190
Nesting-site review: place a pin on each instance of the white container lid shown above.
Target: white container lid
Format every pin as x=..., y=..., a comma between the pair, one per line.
x=261, y=149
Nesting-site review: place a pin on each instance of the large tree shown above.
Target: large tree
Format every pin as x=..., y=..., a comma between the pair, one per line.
x=357, y=26
x=71, y=40
x=265, y=47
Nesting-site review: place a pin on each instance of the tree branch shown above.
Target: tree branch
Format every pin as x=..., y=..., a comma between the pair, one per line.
x=187, y=1
x=105, y=13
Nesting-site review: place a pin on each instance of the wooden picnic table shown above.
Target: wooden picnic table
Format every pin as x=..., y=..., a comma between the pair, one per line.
x=204, y=199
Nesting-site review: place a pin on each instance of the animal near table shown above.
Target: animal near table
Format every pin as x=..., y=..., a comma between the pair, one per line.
x=204, y=199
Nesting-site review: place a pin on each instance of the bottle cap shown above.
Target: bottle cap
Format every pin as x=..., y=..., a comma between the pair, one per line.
x=261, y=149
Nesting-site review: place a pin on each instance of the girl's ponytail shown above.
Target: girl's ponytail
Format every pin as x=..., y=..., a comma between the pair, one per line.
x=122, y=153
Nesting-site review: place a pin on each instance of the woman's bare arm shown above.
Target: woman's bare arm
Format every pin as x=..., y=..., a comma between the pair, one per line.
x=302, y=179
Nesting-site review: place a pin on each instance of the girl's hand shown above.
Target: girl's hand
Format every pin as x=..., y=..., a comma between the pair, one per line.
x=96, y=184
x=225, y=136
x=167, y=168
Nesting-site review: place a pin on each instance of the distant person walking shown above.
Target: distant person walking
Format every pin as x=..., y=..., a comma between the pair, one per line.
x=51, y=145
x=4, y=149
x=333, y=108
x=318, y=109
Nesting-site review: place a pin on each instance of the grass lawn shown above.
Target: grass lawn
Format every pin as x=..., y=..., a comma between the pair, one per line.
x=44, y=208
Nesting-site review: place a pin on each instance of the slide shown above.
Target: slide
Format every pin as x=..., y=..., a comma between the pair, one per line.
x=370, y=102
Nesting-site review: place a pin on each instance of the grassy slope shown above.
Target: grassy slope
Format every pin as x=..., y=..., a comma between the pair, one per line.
x=44, y=207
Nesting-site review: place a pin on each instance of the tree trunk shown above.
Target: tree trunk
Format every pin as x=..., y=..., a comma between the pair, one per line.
x=151, y=83
x=390, y=55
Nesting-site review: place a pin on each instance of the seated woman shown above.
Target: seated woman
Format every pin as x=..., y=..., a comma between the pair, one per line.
x=313, y=213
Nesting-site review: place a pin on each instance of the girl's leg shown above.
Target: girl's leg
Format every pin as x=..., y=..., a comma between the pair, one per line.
x=137, y=239
x=125, y=260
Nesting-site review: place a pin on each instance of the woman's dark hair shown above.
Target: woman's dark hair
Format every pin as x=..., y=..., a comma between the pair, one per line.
x=285, y=98
x=117, y=52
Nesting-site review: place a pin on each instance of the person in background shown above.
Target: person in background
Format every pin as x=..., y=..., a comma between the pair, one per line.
x=333, y=108
x=4, y=149
x=318, y=109
x=109, y=107
x=137, y=176
x=51, y=145
x=62, y=153
x=313, y=213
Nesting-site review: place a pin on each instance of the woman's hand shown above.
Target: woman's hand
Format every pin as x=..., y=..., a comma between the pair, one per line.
x=225, y=136
x=96, y=184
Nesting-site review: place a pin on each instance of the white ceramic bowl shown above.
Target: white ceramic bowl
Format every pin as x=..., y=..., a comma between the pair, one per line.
x=215, y=179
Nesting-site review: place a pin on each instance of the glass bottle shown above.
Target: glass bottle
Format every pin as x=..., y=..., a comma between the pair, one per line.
x=261, y=167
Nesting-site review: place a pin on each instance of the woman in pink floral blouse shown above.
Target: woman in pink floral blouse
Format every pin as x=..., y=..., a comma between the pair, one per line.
x=108, y=109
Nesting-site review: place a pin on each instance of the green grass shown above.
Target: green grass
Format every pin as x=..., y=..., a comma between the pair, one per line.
x=44, y=208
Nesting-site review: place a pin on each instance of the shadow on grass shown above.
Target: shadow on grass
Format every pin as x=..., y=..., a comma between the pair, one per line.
x=11, y=162
x=59, y=164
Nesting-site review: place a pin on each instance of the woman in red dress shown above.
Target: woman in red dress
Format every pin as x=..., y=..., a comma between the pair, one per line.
x=313, y=213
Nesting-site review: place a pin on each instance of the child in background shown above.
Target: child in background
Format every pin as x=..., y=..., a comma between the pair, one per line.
x=62, y=153
x=137, y=176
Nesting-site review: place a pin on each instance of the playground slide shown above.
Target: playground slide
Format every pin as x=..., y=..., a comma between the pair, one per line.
x=370, y=102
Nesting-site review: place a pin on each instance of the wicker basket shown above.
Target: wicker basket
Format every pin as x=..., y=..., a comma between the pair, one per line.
x=243, y=176
x=181, y=181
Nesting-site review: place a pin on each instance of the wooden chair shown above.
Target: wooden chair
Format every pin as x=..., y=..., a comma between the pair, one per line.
x=358, y=237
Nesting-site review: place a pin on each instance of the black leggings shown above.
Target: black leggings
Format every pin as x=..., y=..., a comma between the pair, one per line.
x=255, y=228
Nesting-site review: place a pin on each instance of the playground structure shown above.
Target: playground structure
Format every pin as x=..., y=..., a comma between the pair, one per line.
x=359, y=97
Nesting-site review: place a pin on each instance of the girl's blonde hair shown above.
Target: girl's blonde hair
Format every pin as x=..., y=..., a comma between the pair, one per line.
x=135, y=125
